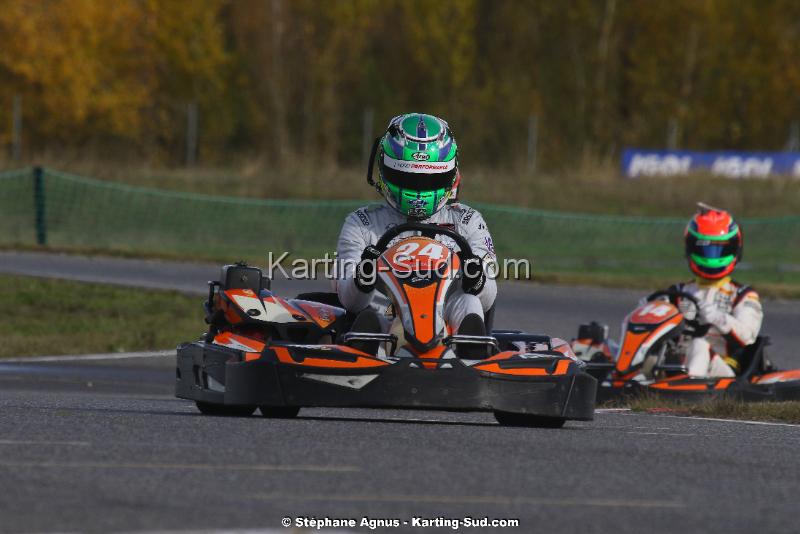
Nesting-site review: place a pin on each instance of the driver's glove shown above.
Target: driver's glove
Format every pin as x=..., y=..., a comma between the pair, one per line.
x=708, y=313
x=474, y=276
x=687, y=308
x=366, y=274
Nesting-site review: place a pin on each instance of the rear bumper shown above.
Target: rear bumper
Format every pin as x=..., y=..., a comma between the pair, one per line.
x=214, y=374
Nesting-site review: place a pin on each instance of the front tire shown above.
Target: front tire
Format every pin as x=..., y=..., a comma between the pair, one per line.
x=528, y=420
x=279, y=412
x=207, y=408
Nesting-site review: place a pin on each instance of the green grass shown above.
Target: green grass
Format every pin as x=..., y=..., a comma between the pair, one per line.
x=44, y=317
x=592, y=187
x=784, y=412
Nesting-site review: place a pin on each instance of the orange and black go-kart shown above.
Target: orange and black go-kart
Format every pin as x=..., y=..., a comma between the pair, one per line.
x=650, y=357
x=280, y=355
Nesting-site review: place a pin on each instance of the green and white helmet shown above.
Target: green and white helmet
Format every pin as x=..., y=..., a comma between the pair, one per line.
x=418, y=164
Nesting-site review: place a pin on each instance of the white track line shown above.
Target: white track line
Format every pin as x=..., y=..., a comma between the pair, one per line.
x=719, y=420
x=80, y=357
x=694, y=418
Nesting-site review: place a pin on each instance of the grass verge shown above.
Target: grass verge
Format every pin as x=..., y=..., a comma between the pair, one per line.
x=44, y=317
x=783, y=412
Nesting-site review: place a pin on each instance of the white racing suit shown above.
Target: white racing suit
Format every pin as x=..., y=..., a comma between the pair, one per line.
x=734, y=314
x=366, y=225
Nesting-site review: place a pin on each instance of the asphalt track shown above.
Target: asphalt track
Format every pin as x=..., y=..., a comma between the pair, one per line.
x=101, y=445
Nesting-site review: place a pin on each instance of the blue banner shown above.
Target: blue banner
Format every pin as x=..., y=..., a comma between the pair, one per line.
x=637, y=163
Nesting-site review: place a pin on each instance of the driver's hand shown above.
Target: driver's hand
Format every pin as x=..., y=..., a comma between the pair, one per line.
x=474, y=276
x=687, y=308
x=710, y=314
x=366, y=274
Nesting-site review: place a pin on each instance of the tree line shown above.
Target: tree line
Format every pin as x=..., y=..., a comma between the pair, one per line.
x=303, y=79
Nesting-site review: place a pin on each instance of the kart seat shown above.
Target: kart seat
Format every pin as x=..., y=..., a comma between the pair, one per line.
x=242, y=276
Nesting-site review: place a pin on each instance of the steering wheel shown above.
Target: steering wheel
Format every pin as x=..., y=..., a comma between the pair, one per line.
x=427, y=230
x=674, y=295
x=696, y=328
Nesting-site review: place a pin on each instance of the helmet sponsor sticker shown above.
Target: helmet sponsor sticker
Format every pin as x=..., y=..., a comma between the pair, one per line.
x=426, y=167
x=421, y=156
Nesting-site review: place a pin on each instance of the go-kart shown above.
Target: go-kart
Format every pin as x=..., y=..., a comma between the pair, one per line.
x=650, y=358
x=280, y=355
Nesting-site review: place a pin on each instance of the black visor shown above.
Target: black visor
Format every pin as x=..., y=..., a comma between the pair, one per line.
x=712, y=249
x=418, y=181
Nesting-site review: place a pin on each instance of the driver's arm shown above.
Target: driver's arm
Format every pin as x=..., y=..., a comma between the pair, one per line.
x=476, y=232
x=744, y=321
x=353, y=239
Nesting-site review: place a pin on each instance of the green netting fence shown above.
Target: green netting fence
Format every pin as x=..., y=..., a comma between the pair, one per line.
x=64, y=211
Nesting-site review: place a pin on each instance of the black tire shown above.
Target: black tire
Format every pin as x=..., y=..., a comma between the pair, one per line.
x=207, y=408
x=528, y=420
x=279, y=412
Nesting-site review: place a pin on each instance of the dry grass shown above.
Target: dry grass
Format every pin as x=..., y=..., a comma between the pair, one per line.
x=592, y=188
x=784, y=412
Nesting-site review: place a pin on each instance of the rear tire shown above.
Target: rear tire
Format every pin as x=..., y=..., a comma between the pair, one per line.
x=528, y=420
x=207, y=408
x=279, y=412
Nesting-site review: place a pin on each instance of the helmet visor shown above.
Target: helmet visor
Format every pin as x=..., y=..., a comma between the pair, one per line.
x=417, y=204
x=706, y=248
x=712, y=254
x=418, y=181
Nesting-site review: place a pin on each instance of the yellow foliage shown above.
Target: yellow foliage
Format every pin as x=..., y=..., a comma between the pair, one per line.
x=90, y=69
x=295, y=76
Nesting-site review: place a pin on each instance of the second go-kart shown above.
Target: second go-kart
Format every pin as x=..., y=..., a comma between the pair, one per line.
x=280, y=355
x=650, y=357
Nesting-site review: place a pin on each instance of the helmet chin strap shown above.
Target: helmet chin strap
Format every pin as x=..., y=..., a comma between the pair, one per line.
x=372, y=153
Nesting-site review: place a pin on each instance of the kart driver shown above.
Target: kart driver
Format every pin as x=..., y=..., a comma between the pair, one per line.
x=418, y=175
x=731, y=310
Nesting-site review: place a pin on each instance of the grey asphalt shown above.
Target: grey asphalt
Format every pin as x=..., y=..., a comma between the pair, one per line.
x=103, y=446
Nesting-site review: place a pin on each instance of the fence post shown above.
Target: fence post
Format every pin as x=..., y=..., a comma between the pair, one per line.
x=38, y=203
x=16, y=128
x=191, y=133
x=793, y=144
x=533, y=142
x=673, y=133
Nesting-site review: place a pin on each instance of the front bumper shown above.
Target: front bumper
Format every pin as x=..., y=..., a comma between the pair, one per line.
x=214, y=374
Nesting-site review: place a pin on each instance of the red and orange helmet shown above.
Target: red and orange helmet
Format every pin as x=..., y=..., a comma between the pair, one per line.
x=713, y=242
